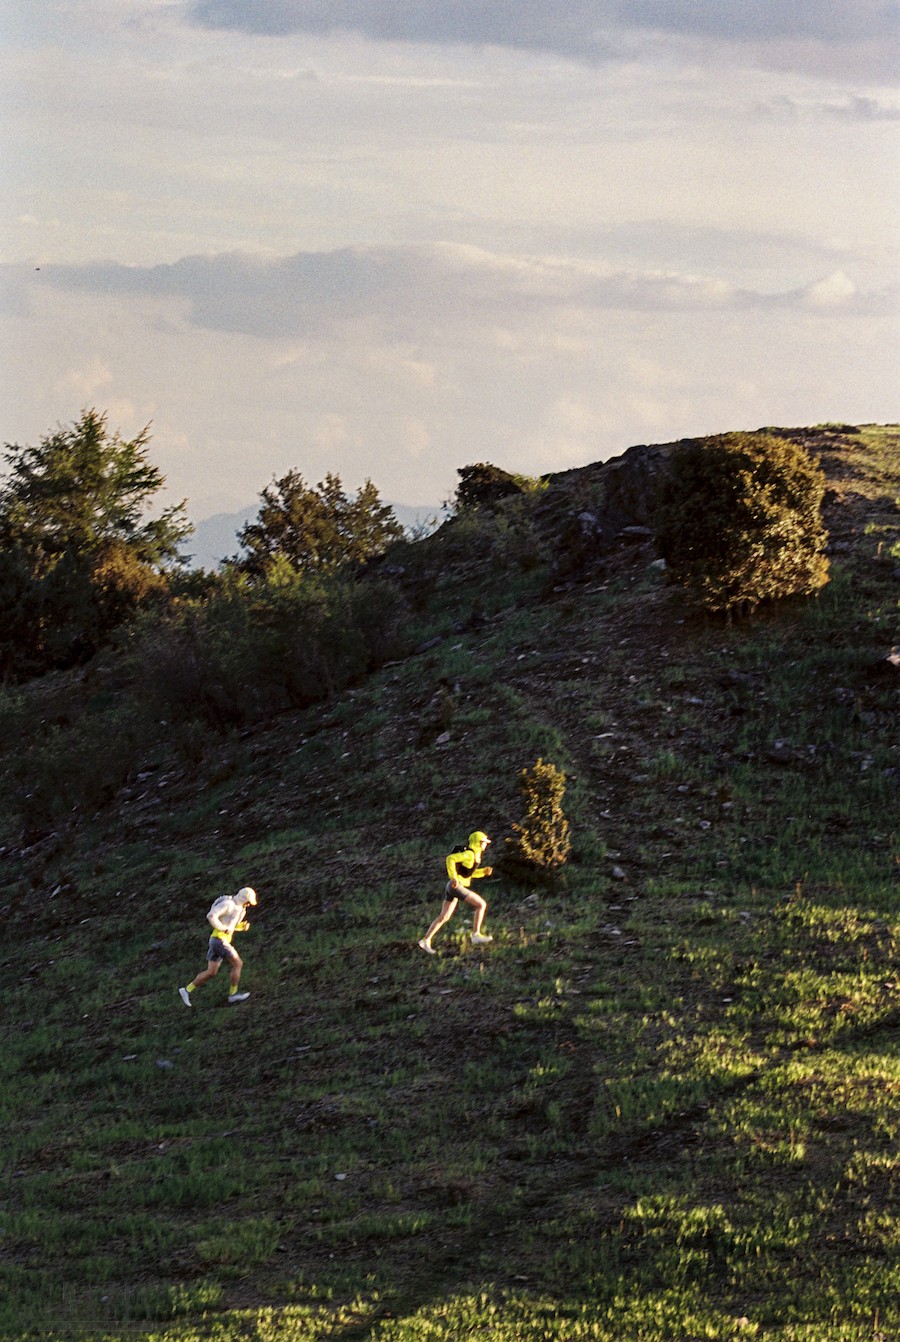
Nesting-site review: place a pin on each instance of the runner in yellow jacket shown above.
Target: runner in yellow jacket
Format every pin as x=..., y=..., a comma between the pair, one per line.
x=463, y=868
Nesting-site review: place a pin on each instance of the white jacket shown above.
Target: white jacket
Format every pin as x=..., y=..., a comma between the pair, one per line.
x=225, y=915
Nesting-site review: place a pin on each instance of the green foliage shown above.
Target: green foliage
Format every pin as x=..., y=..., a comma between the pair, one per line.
x=185, y=676
x=316, y=529
x=77, y=556
x=541, y=844
x=81, y=490
x=680, y=1088
x=79, y=765
x=257, y=647
x=740, y=521
x=517, y=543
x=486, y=486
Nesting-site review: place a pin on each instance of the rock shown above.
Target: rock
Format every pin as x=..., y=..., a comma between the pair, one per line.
x=782, y=752
x=634, y=483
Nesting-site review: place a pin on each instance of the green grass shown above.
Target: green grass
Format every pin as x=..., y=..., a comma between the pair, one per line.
x=662, y=1105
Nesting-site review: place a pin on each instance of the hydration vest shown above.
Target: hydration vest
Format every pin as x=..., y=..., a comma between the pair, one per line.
x=473, y=866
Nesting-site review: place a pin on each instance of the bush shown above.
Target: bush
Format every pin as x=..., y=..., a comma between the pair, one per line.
x=257, y=648
x=740, y=521
x=541, y=844
x=75, y=765
x=486, y=486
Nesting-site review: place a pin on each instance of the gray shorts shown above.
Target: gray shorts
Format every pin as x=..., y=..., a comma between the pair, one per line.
x=450, y=893
x=220, y=950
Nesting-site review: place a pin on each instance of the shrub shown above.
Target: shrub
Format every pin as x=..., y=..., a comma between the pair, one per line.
x=75, y=765
x=541, y=844
x=259, y=647
x=517, y=543
x=486, y=486
x=740, y=520
x=123, y=584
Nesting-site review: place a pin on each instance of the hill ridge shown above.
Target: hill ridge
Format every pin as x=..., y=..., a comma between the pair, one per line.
x=667, y=1089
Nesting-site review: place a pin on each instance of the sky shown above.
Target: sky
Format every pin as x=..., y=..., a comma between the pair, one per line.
x=390, y=238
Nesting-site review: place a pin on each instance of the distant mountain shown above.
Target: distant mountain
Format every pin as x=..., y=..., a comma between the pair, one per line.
x=215, y=538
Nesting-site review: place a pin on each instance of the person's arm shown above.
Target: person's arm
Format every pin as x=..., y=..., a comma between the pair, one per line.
x=452, y=859
x=223, y=916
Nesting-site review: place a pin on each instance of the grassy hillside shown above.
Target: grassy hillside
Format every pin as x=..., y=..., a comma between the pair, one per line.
x=663, y=1104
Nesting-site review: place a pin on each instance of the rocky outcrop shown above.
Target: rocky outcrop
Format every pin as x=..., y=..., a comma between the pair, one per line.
x=591, y=514
x=636, y=482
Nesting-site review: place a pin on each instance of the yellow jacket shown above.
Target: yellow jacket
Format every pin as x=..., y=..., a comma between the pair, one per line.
x=463, y=868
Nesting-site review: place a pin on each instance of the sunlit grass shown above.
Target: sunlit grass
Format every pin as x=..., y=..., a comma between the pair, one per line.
x=661, y=1105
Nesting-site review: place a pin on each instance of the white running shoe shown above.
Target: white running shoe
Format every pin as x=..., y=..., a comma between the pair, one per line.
x=479, y=940
x=238, y=997
x=427, y=947
x=185, y=996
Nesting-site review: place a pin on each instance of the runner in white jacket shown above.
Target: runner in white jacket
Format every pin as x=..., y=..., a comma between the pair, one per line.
x=227, y=916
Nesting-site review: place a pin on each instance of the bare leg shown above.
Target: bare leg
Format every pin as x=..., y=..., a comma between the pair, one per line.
x=448, y=908
x=235, y=964
x=210, y=972
x=480, y=907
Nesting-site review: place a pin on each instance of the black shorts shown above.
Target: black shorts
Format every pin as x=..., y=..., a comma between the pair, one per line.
x=220, y=950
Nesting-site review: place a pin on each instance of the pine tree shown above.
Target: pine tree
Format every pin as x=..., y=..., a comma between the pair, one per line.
x=77, y=552
x=315, y=528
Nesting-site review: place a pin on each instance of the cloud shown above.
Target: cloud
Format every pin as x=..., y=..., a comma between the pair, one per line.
x=572, y=29
x=579, y=29
x=418, y=293
x=87, y=380
x=859, y=108
x=459, y=356
x=855, y=108
x=837, y=21
x=831, y=291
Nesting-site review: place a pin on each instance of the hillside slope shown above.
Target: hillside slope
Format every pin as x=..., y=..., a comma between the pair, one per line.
x=662, y=1104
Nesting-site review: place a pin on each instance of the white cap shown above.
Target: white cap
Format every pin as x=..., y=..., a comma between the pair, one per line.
x=246, y=895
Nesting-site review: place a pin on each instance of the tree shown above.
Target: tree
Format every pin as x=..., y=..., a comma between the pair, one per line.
x=82, y=490
x=740, y=520
x=78, y=553
x=316, y=529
